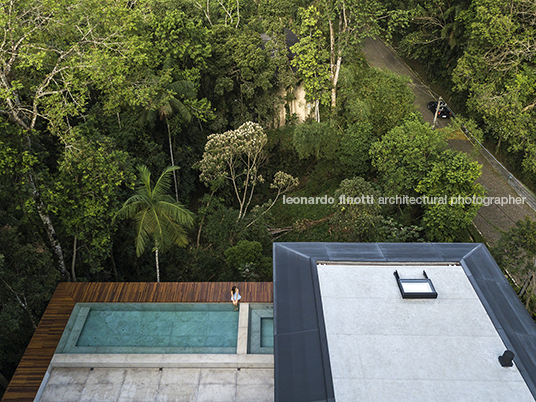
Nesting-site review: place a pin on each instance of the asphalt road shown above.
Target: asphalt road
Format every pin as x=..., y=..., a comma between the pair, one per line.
x=492, y=220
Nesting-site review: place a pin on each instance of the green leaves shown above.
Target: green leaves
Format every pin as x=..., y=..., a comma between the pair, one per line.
x=312, y=56
x=452, y=176
x=156, y=214
x=320, y=140
x=357, y=212
x=405, y=154
x=516, y=255
x=497, y=71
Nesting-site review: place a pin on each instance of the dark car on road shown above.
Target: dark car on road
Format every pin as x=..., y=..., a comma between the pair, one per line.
x=443, y=111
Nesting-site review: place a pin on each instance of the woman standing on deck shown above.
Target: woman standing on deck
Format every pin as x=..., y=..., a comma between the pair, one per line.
x=235, y=296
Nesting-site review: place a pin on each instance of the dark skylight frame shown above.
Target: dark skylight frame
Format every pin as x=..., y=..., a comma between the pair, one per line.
x=416, y=288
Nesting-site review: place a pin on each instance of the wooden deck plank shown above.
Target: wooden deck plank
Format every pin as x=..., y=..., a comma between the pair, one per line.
x=33, y=365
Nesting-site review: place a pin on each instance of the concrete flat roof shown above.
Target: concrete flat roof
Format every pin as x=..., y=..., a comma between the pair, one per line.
x=385, y=348
x=303, y=362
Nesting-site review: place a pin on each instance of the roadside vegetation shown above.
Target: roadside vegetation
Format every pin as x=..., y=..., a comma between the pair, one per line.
x=98, y=96
x=484, y=51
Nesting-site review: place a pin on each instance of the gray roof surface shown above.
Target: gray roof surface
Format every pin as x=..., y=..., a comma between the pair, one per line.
x=302, y=365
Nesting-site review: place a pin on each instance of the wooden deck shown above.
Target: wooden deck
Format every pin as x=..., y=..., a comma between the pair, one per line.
x=34, y=363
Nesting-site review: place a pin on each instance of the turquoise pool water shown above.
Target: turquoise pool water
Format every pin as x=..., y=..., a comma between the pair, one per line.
x=151, y=328
x=267, y=332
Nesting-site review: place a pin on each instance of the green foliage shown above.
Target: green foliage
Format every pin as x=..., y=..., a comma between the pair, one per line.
x=376, y=97
x=86, y=192
x=497, y=70
x=452, y=176
x=320, y=140
x=391, y=231
x=222, y=228
x=354, y=149
x=516, y=254
x=312, y=57
x=357, y=213
x=243, y=78
x=27, y=281
x=404, y=156
x=246, y=257
x=156, y=214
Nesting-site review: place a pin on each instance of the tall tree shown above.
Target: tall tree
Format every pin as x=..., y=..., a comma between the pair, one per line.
x=312, y=59
x=516, y=253
x=453, y=175
x=343, y=24
x=349, y=22
x=498, y=72
x=237, y=156
x=167, y=104
x=85, y=195
x=157, y=217
x=405, y=154
x=50, y=54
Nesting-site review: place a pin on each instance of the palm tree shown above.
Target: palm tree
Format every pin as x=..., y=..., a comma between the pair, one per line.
x=157, y=216
x=164, y=106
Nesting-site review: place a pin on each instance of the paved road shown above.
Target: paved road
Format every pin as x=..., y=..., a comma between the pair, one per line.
x=491, y=220
x=380, y=56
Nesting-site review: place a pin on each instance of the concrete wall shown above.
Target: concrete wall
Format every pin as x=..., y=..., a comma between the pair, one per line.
x=298, y=105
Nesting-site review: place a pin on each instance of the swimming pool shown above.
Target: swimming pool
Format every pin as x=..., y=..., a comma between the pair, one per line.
x=261, y=325
x=151, y=328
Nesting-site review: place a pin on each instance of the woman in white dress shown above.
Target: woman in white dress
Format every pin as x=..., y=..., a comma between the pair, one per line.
x=235, y=296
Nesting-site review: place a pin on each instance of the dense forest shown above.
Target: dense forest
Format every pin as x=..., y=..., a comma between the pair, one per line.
x=115, y=114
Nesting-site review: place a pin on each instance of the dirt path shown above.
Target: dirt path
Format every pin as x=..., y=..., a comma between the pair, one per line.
x=493, y=219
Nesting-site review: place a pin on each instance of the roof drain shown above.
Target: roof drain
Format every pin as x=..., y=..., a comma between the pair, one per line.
x=507, y=359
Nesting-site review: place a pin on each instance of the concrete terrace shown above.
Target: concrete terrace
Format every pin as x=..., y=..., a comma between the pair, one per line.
x=32, y=369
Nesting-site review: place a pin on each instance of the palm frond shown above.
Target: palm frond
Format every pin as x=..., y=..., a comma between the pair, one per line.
x=156, y=215
x=176, y=212
x=145, y=178
x=143, y=230
x=131, y=207
x=183, y=89
x=182, y=110
x=162, y=186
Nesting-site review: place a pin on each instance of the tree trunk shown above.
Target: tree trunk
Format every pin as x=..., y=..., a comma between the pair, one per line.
x=157, y=266
x=317, y=110
x=51, y=232
x=172, y=162
x=334, y=81
x=113, y=264
x=22, y=303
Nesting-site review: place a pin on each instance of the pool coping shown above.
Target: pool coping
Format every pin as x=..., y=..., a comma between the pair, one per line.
x=137, y=360
x=255, y=319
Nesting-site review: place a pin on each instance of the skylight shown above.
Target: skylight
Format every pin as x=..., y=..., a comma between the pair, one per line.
x=416, y=288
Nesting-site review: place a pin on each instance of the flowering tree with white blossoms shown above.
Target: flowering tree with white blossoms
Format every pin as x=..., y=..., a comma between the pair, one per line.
x=237, y=155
